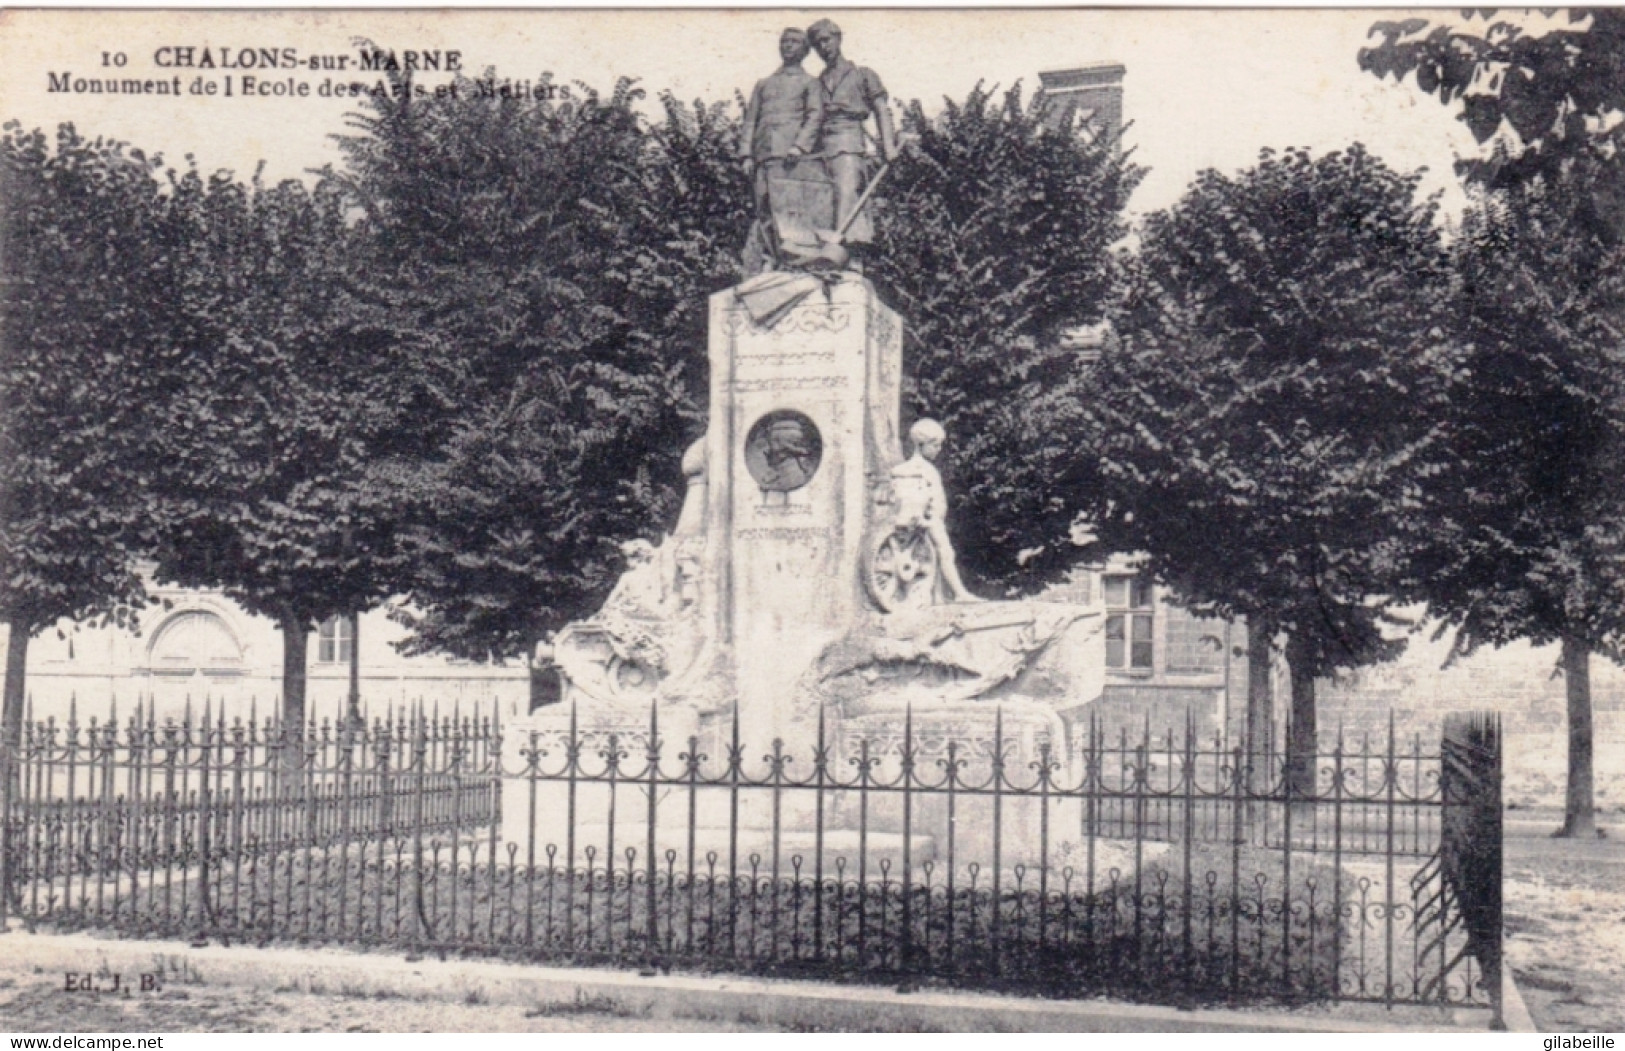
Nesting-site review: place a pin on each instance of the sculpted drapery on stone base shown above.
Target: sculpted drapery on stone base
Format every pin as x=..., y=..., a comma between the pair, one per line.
x=784, y=603
x=812, y=564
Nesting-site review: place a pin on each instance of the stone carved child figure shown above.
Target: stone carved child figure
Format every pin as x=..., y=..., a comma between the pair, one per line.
x=922, y=502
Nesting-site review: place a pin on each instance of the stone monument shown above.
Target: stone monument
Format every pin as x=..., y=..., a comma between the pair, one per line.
x=810, y=583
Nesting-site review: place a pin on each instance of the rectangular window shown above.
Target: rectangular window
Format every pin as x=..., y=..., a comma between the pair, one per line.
x=1130, y=622
x=336, y=641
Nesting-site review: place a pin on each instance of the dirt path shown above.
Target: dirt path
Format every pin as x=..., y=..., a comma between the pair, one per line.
x=1565, y=921
x=36, y=1003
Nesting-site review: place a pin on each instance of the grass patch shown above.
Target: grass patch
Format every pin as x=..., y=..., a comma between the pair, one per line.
x=582, y=1004
x=1241, y=924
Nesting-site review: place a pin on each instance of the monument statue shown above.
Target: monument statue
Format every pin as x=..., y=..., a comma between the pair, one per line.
x=777, y=143
x=807, y=594
x=852, y=93
x=808, y=587
x=805, y=144
x=920, y=511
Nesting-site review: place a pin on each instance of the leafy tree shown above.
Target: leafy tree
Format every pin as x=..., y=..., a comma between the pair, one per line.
x=562, y=251
x=288, y=399
x=994, y=240
x=1529, y=542
x=1268, y=426
x=81, y=272
x=1532, y=557
x=1561, y=91
x=559, y=252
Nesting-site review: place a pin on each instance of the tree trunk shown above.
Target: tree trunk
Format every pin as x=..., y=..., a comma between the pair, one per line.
x=11, y=735
x=353, y=715
x=16, y=695
x=1301, y=738
x=545, y=685
x=1579, y=803
x=1260, y=708
x=295, y=652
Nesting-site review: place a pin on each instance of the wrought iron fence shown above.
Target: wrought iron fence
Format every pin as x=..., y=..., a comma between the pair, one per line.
x=1166, y=868
x=127, y=819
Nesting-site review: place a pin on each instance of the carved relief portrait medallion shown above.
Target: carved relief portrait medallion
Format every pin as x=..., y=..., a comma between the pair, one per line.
x=783, y=450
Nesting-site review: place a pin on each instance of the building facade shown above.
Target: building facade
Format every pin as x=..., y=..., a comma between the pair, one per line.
x=1164, y=663
x=196, y=646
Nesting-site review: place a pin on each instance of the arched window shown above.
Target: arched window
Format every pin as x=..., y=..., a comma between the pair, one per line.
x=194, y=639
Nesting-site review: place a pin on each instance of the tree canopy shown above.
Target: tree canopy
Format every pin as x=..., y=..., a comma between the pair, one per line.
x=79, y=268
x=1267, y=427
x=285, y=394
x=1559, y=86
x=556, y=255
x=1528, y=545
x=995, y=245
x=1528, y=540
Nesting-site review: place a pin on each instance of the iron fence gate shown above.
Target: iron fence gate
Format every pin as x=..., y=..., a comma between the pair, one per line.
x=1156, y=866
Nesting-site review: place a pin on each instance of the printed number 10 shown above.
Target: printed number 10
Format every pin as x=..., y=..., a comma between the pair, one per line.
x=117, y=58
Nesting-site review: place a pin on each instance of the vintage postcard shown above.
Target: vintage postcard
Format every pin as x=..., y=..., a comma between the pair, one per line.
x=812, y=520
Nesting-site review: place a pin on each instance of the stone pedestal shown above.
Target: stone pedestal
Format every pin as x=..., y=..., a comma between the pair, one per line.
x=803, y=424
x=765, y=608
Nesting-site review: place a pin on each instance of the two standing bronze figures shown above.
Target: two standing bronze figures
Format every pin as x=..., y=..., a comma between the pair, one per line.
x=805, y=144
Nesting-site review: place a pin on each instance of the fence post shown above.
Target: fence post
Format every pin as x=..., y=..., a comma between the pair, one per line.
x=1292, y=783
x=905, y=953
x=650, y=845
x=820, y=773
x=1094, y=784
x=572, y=752
x=1189, y=833
x=951, y=766
x=107, y=854
x=1493, y=845
x=1239, y=827
x=1337, y=864
x=776, y=761
x=10, y=769
x=1470, y=840
x=420, y=759
x=205, y=833
x=994, y=923
x=1045, y=767
x=735, y=760
x=493, y=756
x=136, y=754
x=1390, y=778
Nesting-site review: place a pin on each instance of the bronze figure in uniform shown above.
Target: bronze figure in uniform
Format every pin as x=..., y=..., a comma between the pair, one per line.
x=852, y=93
x=782, y=125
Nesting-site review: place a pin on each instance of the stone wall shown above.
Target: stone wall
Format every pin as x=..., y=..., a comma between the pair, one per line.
x=1520, y=681
x=1130, y=709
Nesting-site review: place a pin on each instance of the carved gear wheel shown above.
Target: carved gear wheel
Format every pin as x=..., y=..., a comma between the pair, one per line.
x=902, y=571
x=631, y=678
